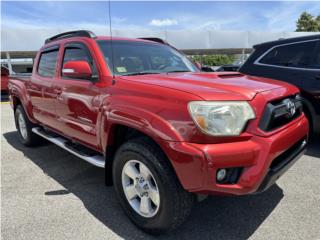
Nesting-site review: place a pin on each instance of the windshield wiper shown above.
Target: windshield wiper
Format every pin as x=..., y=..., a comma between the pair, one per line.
x=149, y=72
x=141, y=73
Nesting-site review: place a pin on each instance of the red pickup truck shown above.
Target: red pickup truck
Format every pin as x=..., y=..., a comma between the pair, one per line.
x=165, y=132
x=4, y=79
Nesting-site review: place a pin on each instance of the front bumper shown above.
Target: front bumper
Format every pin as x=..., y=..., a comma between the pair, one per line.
x=262, y=160
x=282, y=164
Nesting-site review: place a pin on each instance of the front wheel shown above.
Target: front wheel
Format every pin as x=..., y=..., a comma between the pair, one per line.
x=148, y=188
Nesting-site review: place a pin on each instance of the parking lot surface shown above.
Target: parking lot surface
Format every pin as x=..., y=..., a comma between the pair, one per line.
x=48, y=193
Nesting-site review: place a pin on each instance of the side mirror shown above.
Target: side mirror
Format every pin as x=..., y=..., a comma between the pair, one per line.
x=77, y=69
x=198, y=65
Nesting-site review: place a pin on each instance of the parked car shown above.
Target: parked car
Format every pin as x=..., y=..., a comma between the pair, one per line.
x=165, y=132
x=296, y=61
x=207, y=68
x=4, y=79
x=228, y=68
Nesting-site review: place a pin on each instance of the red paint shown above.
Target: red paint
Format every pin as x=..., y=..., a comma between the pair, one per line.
x=4, y=79
x=77, y=69
x=157, y=106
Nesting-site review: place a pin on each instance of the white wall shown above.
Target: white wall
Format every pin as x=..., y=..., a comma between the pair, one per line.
x=32, y=39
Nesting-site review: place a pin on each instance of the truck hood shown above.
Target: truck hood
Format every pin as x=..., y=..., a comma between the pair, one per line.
x=211, y=86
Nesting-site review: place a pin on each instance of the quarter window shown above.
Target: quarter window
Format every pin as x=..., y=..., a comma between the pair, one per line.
x=75, y=54
x=297, y=55
x=48, y=63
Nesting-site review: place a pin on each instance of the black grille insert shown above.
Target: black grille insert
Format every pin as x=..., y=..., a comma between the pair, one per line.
x=280, y=112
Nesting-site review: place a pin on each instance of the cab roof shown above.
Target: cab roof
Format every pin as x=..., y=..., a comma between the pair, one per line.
x=91, y=35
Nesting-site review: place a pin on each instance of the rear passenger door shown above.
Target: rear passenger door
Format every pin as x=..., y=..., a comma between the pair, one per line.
x=77, y=101
x=290, y=62
x=40, y=90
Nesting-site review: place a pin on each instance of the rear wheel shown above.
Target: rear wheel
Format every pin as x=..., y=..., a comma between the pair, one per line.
x=24, y=127
x=148, y=188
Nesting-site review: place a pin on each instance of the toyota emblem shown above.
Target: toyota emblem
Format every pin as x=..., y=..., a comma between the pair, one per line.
x=291, y=108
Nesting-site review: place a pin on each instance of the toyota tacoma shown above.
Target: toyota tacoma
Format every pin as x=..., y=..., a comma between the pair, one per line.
x=165, y=133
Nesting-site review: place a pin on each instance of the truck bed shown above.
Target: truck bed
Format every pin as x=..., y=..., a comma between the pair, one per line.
x=20, y=76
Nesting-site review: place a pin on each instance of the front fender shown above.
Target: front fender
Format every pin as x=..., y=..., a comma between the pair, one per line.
x=142, y=120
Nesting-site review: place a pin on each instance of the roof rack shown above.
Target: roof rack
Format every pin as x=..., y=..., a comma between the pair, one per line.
x=154, y=39
x=79, y=33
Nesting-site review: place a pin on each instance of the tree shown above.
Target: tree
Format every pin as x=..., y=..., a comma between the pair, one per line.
x=214, y=60
x=318, y=22
x=308, y=23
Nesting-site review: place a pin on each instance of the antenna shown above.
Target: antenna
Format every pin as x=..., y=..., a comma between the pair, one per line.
x=111, y=44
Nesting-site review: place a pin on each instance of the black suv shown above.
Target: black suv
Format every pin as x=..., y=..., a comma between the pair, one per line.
x=296, y=61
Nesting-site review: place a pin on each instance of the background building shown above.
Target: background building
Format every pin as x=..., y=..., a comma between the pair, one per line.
x=19, y=46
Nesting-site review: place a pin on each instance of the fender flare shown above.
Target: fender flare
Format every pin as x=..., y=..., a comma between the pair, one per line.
x=25, y=102
x=153, y=126
x=139, y=119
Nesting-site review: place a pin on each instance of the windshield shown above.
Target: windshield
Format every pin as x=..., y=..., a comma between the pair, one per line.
x=137, y=58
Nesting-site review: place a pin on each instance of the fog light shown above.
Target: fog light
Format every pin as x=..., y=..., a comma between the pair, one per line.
x=221, y=174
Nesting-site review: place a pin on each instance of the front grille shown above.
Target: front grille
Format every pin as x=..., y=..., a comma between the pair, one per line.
x=280, y=112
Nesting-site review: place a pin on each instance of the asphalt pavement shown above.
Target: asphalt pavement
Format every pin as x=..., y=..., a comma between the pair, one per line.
x=48, y=193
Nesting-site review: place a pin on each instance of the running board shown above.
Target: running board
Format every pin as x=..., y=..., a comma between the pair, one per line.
x=96, y=160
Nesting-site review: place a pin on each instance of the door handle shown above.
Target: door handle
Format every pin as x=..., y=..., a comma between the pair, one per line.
x=33, y=87
x=57, y=91
x=317, y=77
x=60, y=99
x=87, y=120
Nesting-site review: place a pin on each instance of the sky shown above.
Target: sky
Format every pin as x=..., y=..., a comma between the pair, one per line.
x=244, y=16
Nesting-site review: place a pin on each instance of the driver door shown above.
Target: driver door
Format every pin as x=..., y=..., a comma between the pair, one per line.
x=77, y=101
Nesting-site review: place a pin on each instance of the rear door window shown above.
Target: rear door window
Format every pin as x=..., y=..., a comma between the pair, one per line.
x=47, y=63
x=315, y=64
x=297, y=55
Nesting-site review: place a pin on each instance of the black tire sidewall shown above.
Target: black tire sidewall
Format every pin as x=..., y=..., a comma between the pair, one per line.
x=162, y=220
x=20, y=111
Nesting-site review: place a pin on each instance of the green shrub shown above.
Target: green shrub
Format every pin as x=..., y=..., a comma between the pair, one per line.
x=213, y=60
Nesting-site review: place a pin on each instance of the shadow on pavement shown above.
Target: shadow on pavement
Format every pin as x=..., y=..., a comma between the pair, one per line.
x=313, y=149
x=214, y=218
x=4, y=97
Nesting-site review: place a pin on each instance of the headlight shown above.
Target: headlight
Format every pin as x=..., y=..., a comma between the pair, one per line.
x=221, y=118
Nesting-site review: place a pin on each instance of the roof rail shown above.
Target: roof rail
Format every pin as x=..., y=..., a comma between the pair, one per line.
x=154, y=39
x=79, y=33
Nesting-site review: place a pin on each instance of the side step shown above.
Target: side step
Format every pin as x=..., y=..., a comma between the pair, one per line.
x=81, y=152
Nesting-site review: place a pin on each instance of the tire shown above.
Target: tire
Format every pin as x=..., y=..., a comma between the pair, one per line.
x=312, y=133
x=24, y=126
x=174, y=203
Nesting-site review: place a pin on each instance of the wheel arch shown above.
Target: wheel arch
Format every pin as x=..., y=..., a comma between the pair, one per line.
x=16, y=101
x=118, y=135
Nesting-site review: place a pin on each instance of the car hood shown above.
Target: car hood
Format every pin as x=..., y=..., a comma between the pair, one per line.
x=211, y=86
